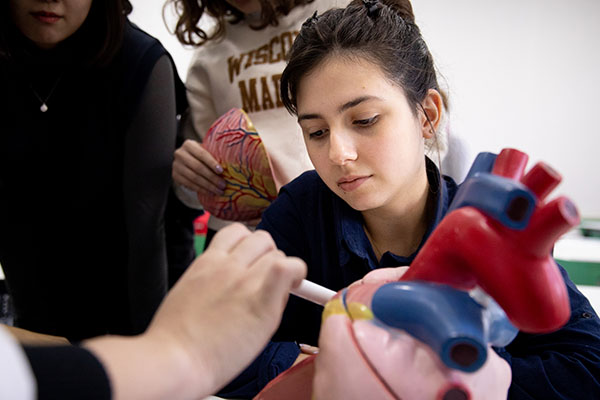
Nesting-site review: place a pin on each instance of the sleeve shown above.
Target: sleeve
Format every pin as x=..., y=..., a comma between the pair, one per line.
x=562, y=364
x=200, y=117
x=277, y=220
x=68, y=372
x=16, y=377
x=149, y=148
x=202, y=111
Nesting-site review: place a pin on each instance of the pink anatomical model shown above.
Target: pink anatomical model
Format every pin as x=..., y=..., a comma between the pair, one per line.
x=235, y=144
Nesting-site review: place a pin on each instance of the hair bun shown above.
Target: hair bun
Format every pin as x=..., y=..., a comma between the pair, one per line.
x=402, y=8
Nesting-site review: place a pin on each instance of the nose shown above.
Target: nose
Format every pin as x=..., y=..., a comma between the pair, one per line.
x=342, y=148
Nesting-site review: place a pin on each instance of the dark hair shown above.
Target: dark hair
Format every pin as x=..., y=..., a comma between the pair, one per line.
x=189, y=12
x=383, y=32
x=102, y=32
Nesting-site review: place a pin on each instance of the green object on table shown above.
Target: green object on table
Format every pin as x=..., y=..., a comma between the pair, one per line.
x=199, y=242
x=581, y=272
x=590, y=227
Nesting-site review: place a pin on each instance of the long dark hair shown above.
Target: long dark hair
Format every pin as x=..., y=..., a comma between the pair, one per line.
x=384, y=32
x=102, y=32
x=189, y=12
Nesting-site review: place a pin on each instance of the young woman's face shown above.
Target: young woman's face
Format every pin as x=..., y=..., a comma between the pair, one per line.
x=47, y=23
x=246, y=6
x=361, y=134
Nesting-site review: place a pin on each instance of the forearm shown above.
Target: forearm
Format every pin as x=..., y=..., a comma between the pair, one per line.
x=149, y=147
x=145, y=367
x=30, y=338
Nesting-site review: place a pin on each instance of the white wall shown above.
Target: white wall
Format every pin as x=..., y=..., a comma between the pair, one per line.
x=521, y=73
x=148, y=15
x=524, y=74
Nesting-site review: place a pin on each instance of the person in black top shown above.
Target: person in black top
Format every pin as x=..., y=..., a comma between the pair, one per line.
x=234, y=293
x=89, y=107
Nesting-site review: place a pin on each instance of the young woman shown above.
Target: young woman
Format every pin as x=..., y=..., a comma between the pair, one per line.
x=88, y=108
x=363, y=86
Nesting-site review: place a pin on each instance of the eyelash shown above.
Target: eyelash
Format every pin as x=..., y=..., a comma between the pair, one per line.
x=316, y=134
x=367, y=121
x=362, y=123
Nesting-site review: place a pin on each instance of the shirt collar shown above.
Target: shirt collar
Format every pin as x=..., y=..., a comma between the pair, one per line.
x=352, y=240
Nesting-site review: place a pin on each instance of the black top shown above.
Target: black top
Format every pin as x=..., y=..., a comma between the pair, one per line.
x=83, y=186
x=68, y=372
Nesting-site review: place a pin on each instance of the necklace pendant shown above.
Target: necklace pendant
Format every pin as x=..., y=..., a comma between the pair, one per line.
x=43, y=107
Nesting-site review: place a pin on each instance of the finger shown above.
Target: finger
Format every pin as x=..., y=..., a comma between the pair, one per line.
x=308, y=349
x=280, y=274
x=195, y=182
x=197, y=171
x=184, y=181
x=227, y=238
x=199, y=152
x=207, y=158
x=384, y=275
x=253, y=247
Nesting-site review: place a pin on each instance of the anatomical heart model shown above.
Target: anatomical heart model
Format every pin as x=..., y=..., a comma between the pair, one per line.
x=234, y=143
x=484, y=273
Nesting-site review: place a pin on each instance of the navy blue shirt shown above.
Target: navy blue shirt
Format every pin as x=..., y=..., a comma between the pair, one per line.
x=309, y=221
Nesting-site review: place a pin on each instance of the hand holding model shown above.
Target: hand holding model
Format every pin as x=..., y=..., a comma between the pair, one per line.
x=195, y=168
x=250, y=187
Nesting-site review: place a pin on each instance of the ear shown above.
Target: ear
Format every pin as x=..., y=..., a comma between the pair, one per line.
x=431, y=114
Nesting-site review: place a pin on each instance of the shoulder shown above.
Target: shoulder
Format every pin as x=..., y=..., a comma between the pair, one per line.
x=137, y=65
x=306, y=186
x=300, y=216
x=138, y=56
x=450, y=185
x=300, y=198
x=139, y=45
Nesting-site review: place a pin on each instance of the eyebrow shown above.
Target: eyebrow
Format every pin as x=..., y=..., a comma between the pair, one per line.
x=344, y=107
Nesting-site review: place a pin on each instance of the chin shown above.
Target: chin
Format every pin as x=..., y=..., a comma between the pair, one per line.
x=361, y=204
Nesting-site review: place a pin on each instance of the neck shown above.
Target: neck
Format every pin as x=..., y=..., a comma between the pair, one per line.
x=399, y=229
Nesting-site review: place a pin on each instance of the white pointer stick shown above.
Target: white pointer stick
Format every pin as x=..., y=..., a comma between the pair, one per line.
x=312, y=292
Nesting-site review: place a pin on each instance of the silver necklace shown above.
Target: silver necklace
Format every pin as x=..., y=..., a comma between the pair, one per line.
x=44, y=106
x=377, y=252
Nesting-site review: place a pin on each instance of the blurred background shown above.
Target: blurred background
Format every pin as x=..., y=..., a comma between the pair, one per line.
x=520, y=73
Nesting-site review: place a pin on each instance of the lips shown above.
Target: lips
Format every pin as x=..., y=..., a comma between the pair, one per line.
x=46, y=16
x=350, y=183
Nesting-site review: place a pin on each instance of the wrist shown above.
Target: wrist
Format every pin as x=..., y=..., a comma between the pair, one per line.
x=148, y=367
x=189, y=377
